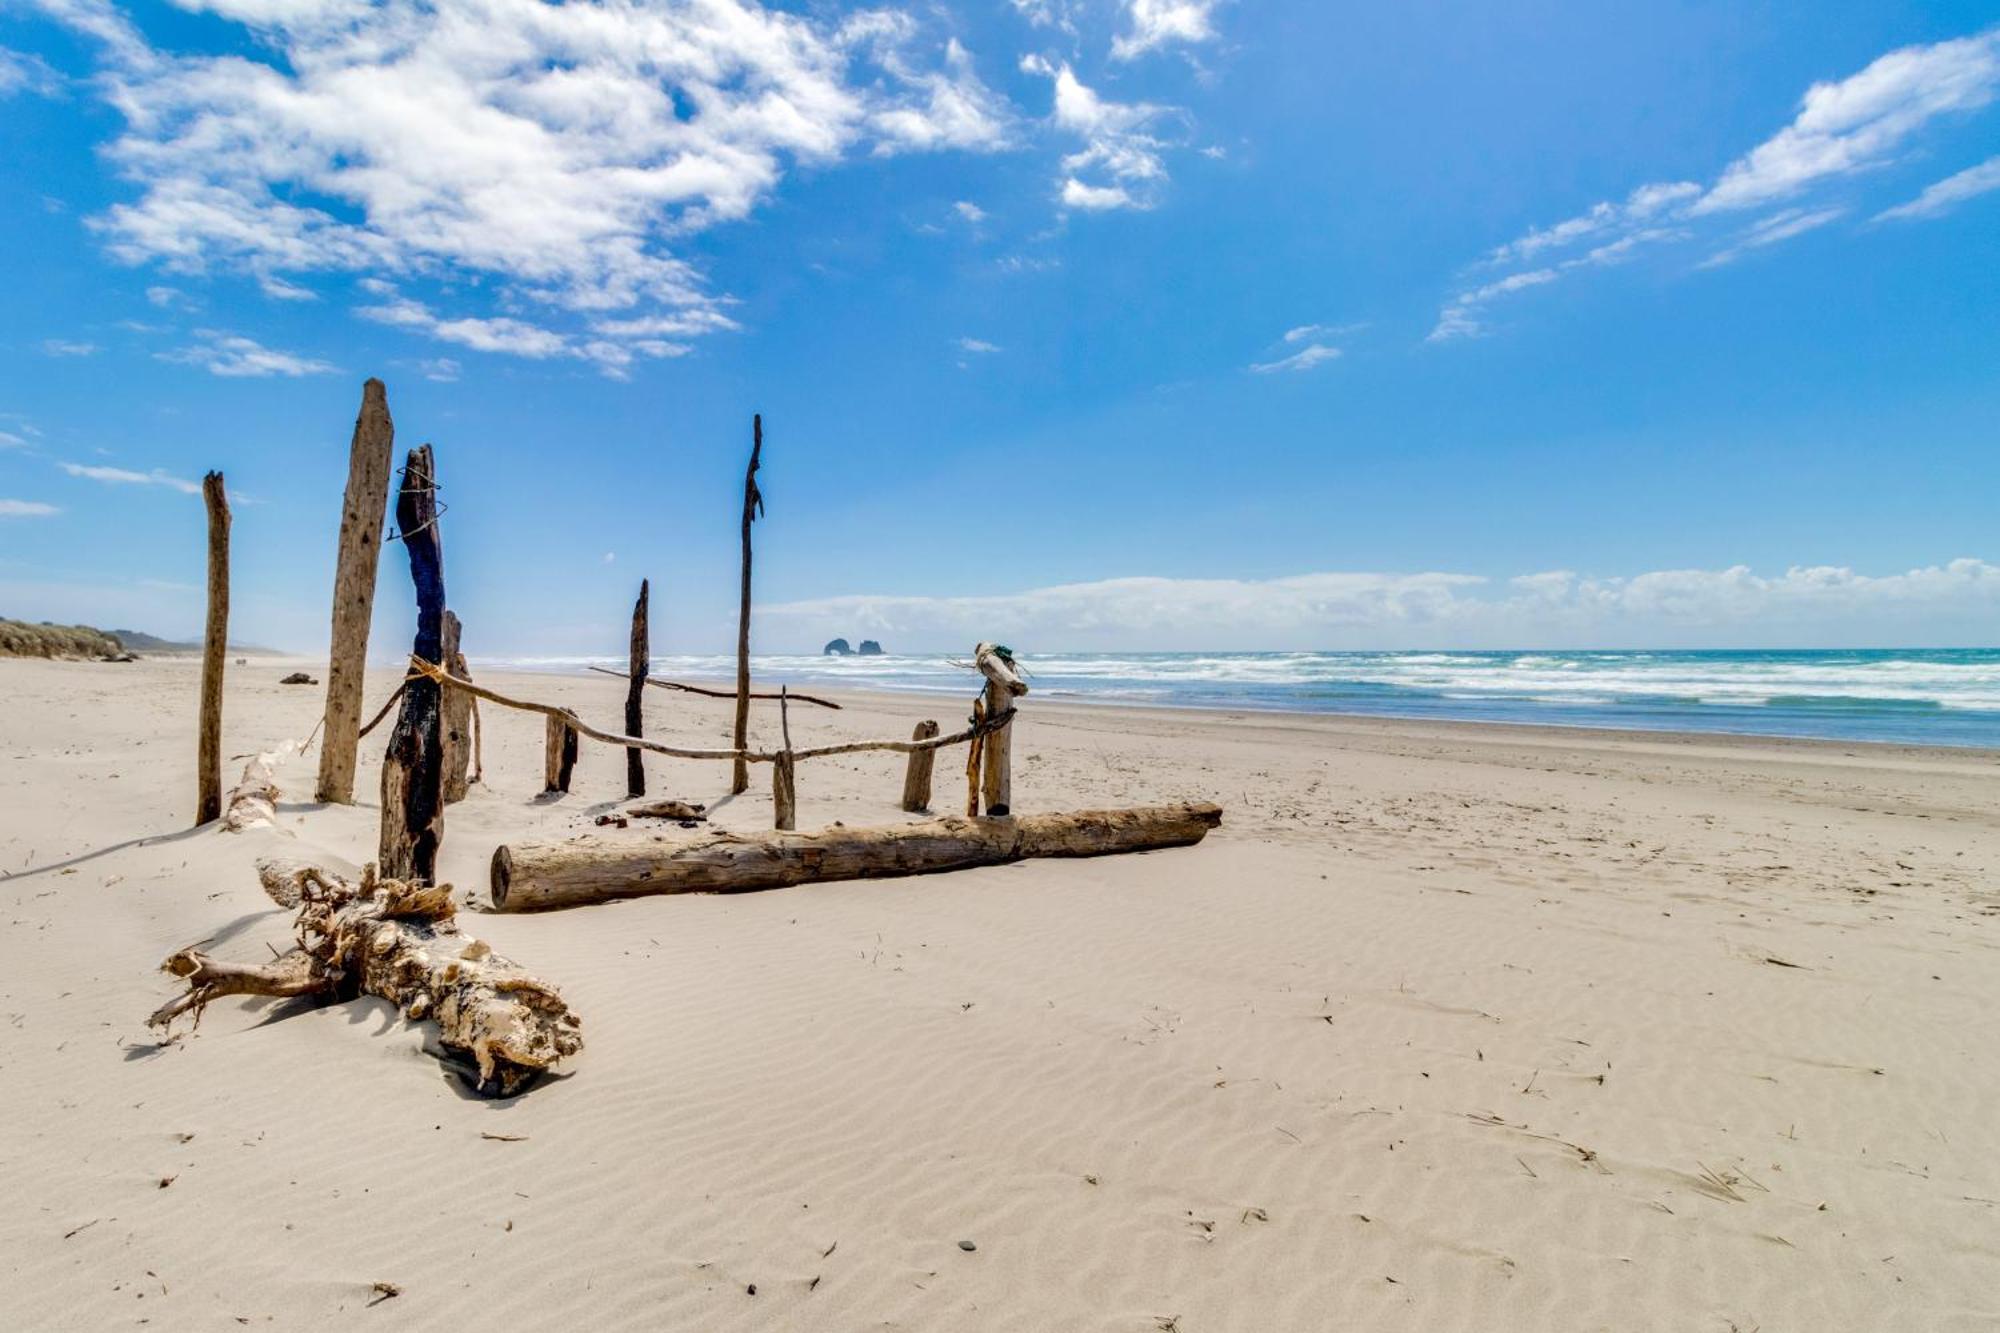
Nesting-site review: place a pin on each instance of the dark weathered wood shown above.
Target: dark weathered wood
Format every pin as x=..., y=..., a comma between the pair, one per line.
x=413, y=768
x=214, y=643
x=784, y=774
x=361, y=510
x=635, y=693
x=457, y=715
x=658, y=683
x=558, y=755
x=1003, y=686
x=534, y=875
x=753, y=505
x=972, y=755
x=917, y=778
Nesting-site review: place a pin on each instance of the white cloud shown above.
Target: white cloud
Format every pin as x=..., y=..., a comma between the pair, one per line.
x=22, y=72
x=976, y=346
x=63, y=347
x=619, y=343
x=441, y=370
x=553, y=153
x=26, y=509
x=1943, y=196
x=233, y=356
x=1461, y=318
x=1825, y=604
x=118, y=476
x=970, y=211
x=1306, y=358
x=165, y=297
x=1048, y=13
x=1155, y=23
x=1860, y=121
x=1781, y=226
x=1120, y=148
x=1842, y=128
x=9, y=440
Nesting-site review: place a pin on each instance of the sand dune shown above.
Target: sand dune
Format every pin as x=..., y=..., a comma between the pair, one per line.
x=1447, y=1027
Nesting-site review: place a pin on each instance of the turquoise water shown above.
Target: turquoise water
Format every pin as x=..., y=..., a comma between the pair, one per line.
x=1918, y=696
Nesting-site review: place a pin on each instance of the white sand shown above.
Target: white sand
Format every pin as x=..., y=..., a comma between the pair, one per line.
x=1447, y=1027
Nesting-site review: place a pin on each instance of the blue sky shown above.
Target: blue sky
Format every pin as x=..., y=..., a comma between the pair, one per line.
x=1077, y=323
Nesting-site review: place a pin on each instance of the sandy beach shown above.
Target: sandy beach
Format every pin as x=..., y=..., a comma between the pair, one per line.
x=1448, y=1026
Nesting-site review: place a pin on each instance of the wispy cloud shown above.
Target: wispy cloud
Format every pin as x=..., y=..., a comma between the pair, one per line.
x=233, y=356
x=549, y=155
x=119, y=476
x=1153, y=24
x=1780, y=226
x=1943, y=196
x=970, y=211
x=976, y=346
x=26, y=509
x=23, y=72
x=612, y=351
x=1120, y=163
x=64, y=347
x=1842, y=129
x=1306, y=358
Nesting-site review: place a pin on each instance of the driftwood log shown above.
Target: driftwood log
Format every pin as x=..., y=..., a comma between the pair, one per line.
x=361, y=509
x=214, y=643
x=413, y=767
x=753, y=505
x=253, y=802
x=558, y=755
x=531, y=876
x=635, y=692
x=1003, y=686
x=917, y=779
x=399, y=941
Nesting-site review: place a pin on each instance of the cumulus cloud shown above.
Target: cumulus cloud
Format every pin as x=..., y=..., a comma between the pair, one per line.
x=1119, y=164
x=233, y=356
x=551, y=154
x=1157, y=23
x=26, y=509
x=1842, y=129
x=1943, y=196
x=1827, y=604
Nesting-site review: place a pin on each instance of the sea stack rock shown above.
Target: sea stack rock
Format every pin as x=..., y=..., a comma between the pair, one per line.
x=838, y=648
x=870, y=648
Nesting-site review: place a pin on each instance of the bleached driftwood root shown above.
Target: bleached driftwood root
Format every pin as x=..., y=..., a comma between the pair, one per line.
x=399, y=941
x=253, y=802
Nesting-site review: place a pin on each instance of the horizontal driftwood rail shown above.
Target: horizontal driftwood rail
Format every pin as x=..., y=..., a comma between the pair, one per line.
x=582, y=728
x=720, y=694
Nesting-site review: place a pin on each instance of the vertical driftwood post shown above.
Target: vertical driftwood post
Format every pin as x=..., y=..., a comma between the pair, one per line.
x=917, y=779
x=753, y=505
x=635, y=690
x=1003, y=686
x=361, y=511
x=784, y=775
x=215, y=642
x=558, y=755
x=457, y=713
x=413, y=768
x=972, y=754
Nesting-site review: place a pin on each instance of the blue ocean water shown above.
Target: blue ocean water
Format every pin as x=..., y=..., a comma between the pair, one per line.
x=1916, y=696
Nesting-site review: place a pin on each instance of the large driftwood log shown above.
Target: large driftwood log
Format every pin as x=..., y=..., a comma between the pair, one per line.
x=253, y=802
x=413, y=767
x=457, y=708
x=753, y=505
x=361, y=510
x=214, y=645
x=531, y=876
x=635, y=692
x=399, y=941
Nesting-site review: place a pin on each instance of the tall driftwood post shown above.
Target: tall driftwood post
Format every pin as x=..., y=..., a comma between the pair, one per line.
x=753, y=505
x=558, y=755
x=215, y=642
x=972, y=757
x=413, y=768
x=1003, y=686
x=368, y=459
x=917, y=779
x=635, y=691
x=784, y=774
x=457, y=714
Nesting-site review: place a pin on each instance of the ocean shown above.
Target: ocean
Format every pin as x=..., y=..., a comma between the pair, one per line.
x=1915, y=696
